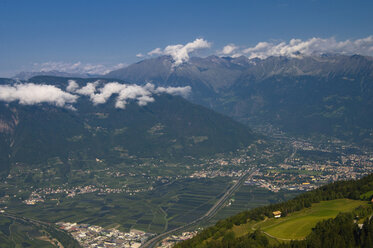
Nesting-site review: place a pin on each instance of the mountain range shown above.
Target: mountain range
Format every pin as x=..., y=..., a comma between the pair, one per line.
x=329, y=95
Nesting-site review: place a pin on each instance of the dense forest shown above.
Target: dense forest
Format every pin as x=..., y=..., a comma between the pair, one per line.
x=342, y=231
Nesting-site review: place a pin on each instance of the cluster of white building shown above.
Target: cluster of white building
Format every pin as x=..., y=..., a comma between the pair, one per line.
x=97, y=237
x=216, y=173
x=40, y=195
x=172, y=240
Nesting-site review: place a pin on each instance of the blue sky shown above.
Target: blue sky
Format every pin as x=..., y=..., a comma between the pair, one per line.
x=113, y=32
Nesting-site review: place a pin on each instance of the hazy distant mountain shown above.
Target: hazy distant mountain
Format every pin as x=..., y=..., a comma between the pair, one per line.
x=219, y=73
x=168, y=128
x=27, y=75
x=207, y=76
x=212, y=72
x=330, y=94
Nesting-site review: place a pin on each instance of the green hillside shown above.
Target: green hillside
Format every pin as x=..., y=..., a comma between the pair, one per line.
x=302, y=217
x=299, y=224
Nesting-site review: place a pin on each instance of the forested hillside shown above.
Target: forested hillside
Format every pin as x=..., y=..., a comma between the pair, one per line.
x=168, y=127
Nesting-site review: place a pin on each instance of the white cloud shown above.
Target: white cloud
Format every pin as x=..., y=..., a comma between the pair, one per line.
x=134, y=92
x=87, y=90
x=125, y=92
x=78, y=67
x=180, y=53
x=296, y=47
x=228, y=49
x=182, y=91
x=30, y=94
x=106, y=92
x=140, y=55
x=144, y=100
x=156, y=51
x=72, y=86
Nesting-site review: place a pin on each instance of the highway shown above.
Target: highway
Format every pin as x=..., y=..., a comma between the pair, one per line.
x=33, y=221
x=208, y=215
x=37, y=223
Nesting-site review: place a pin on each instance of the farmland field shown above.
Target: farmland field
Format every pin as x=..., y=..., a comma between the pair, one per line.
x=154, y=211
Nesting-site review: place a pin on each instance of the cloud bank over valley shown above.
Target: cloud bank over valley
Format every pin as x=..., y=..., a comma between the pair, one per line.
x=98, y=93
x=31, y=94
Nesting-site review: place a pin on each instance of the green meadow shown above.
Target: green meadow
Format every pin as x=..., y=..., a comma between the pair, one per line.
x=299, y=224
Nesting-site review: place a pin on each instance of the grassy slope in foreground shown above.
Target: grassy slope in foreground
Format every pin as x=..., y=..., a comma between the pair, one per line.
x=231, y=231
x=299, y=224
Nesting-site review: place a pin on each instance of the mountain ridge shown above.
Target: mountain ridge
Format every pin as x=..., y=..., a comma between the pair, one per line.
x=170, y=127
x=276, y=91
